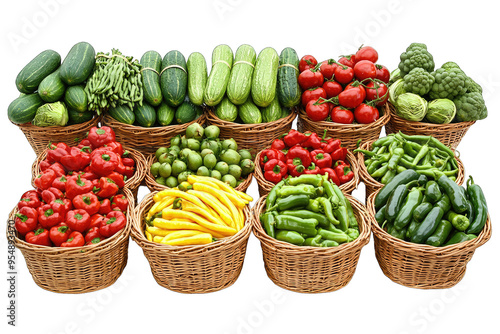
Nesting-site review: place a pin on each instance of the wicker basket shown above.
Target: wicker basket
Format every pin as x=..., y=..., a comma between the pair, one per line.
x=146, y=140
x=78, y=269
x=153, y=186
x=349, y=134
x=132, y=184
x=422, y=266
x=39, y=137
x=265, y=186
x=311, y=269
x=192, y=269
x=373, y=185
x=449, y=134
x=253, y=137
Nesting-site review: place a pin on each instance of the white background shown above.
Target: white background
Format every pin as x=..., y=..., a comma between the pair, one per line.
x=460, y=31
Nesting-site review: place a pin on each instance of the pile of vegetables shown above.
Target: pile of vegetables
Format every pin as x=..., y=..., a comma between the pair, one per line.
x=309, y=210
x=346, y=90
x=201, y=152
x=205, y=211
x=53, y=94
x=438, y=96
x=305, y=153
x=391, y=156
x=436, y=213
x=77, y=200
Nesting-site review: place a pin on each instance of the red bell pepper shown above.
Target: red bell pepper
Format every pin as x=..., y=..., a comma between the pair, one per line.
x=38, y=237
x=44, y=165
x=100, y=136
x=94, y=241
x=87, y=173
x=93, y=233
x=84, y=142
x=77, y=186
x=78, y=220
x=77, y=159
x=75, y=240
x=95, y=220
x=343, y=171
x=117, y=178
x=313, y=141
x=126, y=171
x=59, y=234
x=278, y=144
x=51, y=194
x=47, y=217
x=58, y=168
x=114, y=222
x=119, y=202
x=128, y=162
x=339, y=154
x=44, y=180
x=332, y=176
x=114, y=147
x=270, y=154
x=30, y=199
x=62, y=206
x=107, y=188
x=56, y=151
x=330, y=145
x=105, y=207
x=26, y=220
x=60, y=183
x=275, y=170
x=301, y=153
x=312, y=169
x=88, y=202
x=294, y=137
x=295, y=167
x=104, y=163
x=321, y=159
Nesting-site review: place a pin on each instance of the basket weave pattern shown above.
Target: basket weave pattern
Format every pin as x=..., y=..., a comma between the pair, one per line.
x=311, y=269
x=192, y=269
x=422, y=266
x=349, y=134
x=78, y=269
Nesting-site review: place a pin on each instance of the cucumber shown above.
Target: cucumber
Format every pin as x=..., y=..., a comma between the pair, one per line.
x=122, y=114
x=240, y=80
x=23, y=109
x=197, y=78
x=77, y=117
x=151, y=62
x=249, y=113
x=265, y=77
x=289, y=92
x=173, y=80
x=78, y=64
x=30, y=77
x=51, y=89
x=76, y=98
x=187, y=112
x=165, y=114
x=226, y=110
x=145, y=115
x=222, y=61
x=272, y=112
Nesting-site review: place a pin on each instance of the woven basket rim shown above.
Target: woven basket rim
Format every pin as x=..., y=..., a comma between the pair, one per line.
x=139, y=237
x=362, y=240
x=30, y=127
x=424, y=249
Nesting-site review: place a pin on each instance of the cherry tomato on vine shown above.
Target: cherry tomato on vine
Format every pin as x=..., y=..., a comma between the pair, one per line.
x=377, y=91
x=342, y=115
x=367, y=53
x=313, y=94
x=309, y=79
x=344, y=75
x=327, y=68
x=365, y=114
x=348, y=60
x=307, y=62
x=317, y=111
x=332, y=88
x=352, y=97
x=383, y=73
x=365, y=69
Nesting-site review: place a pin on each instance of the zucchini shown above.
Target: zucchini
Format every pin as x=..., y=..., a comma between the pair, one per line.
x=77, y=117
x=249, y=113
x=51, y=89
x=151, y=62
x=30, y=77
x=173, y=79
x=285, y=112
x=265, y=77
x=289, y=92
x=187, y=112
x=272, y=112
x=76, y=98
x=23, y=109
x=222, y=62
x=197, y=78
x=428, y=226
x=402, y=178
x=240, y=80
x=226, y=110
x=78, y=64
x=122, y=114
x=165, y=114
x=145, y=115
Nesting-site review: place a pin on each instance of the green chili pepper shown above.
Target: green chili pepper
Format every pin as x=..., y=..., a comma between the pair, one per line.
x=400, y=234
x=273, y=194
x=291, y=223
x=313, y=205
x=352, y=233
x=378, y=162
x=480, y=207
x=428, y=226
x=328, y=210
x=396, y=156
x=460, y=222
x=408, y=148
x=421, y=211
x=380, y=171
x=457, y=198
x=365, y=152
x=328, y=186
x=400, y=169
x=388, y=176
x=291, y=237
x=395, y=201
x=421, y=154
x=343, y=217
x=291, y=202
x=306, y=214
x=439, y=236
x=380, y=215
x=402, y=178
x=305, y=189
x=313, y=241
x=268, y=222
x=329, y=235
x=405, y=214
x=384, y=141
x=444, y=203
x=312, y=179
x=412, y=228
x=460, y=237
x=422, y=180
x=329, y=243
x=432, y=191
x=469, y=213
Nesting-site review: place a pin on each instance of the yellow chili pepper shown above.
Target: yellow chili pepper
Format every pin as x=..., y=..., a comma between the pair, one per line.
x=181, y=194
x=158, y=206
x=148, y=236
x=225, y=230
x=215, y=204
x=188, y=206
x=200, y=239
x=221, y=196
x=184, y=225
x=156, y=231
x=180, y=234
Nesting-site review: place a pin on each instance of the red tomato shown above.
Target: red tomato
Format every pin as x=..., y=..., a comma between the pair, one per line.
x=365, y=114
x=313, y=94
x=352, y=97
x=367, y=53
x=344, y=75
x=377, y=91
x=307, y=62
x=365, y=69
x=332, y=88
x=317, y=111
x=327, y=68
x=382, y=73
x=342, y=115
x=348, y=60
x=363, y=91
x=309, y=79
